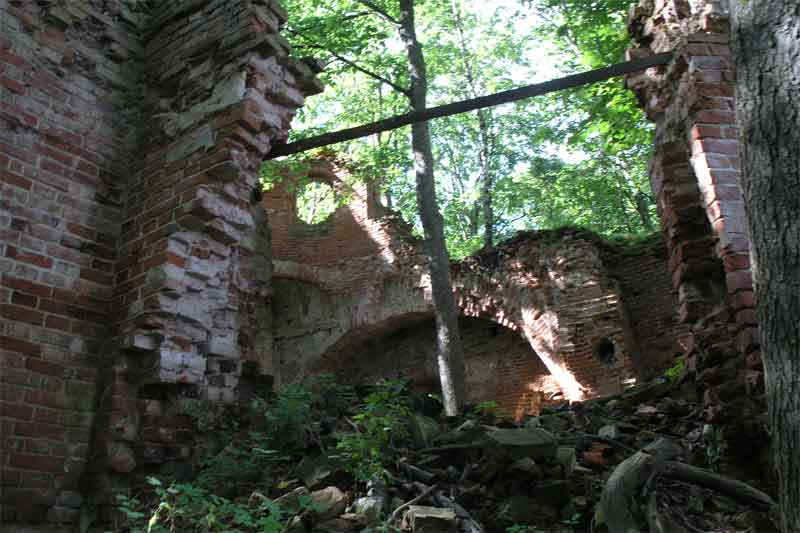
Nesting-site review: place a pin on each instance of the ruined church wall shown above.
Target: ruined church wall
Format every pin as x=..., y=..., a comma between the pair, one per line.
x=68, y=80
x=562, y=291
x=695, y=175
x=135, y=260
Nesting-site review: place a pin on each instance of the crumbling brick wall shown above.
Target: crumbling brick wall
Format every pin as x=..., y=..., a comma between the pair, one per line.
x=358, y=277
x=653, y=327
x=695, y=174
x=500, y=364
x=135, y=265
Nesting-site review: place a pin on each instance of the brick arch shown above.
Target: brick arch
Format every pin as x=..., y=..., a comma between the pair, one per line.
x=500, y=363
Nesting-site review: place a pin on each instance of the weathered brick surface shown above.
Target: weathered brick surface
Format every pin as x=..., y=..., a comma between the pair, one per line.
x=360, y=275
x=653, y=329
x=695, y=175
x=64, y=160
x=131, y=257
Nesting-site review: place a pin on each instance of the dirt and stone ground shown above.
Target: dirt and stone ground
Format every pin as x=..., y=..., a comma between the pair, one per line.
x=639, y=461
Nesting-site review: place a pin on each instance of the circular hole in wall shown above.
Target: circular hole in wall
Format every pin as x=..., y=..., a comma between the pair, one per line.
x=316, y=202
x=603, y=349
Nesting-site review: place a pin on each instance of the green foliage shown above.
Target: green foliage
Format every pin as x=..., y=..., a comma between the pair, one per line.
x=676, y=370
x=381, y=420
x=315, y=202
x=574, y=158
x=517, y=528
x=487, y=408
x=263, y=439
x=186, y=507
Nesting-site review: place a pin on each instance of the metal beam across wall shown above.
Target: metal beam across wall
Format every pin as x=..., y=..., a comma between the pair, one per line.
x=446, y=110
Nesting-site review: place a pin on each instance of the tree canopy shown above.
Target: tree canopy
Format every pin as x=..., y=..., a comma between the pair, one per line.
x=577, y=157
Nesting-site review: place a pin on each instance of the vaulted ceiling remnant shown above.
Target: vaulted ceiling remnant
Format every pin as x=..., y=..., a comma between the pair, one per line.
x=343, y=286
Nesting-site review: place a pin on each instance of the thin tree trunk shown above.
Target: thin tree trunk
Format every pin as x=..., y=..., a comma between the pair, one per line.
x=766, y=40
x=487, y=181
x=450, y=352
x=484, y=154
x=642, y=207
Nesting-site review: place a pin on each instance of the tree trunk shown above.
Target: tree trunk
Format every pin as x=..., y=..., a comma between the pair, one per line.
x=484, y=154
x=486, y=182
x=450, y=352
x=766, y=41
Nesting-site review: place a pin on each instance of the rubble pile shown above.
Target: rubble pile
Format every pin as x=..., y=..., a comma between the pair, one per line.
x=635, y=462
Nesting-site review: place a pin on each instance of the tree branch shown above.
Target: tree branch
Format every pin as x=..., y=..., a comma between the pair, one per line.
x=352, y=64
x=377, y=9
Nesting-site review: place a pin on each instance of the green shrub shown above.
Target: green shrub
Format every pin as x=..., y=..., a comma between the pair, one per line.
x=186, y=507
x=382, y=418
x=676, y=370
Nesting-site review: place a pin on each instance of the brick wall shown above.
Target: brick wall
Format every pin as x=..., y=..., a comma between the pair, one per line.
x=695, y=174
x=653, y=326
x=135, y=267
x=65, y=155
x=357, y=277
x=500, y=364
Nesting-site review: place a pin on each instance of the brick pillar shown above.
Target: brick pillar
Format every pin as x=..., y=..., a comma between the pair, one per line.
x=193, y=282
x=695, y=173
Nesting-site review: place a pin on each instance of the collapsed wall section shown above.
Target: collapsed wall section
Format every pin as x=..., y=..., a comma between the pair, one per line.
x=345, y=285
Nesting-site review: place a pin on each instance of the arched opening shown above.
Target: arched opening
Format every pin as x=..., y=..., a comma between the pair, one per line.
x=315, y=202
x=500, y=363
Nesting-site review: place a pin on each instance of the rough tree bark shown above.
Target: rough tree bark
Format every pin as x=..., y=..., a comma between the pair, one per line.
x=450, y=352
x=766, y=42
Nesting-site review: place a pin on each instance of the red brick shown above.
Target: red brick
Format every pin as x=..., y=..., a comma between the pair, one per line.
x=12, y=59
x=41, y=463
x=11, y=410
x=81, y=231
x=739, y=280
x=21, y=314
x=64, y=295
x=15, y=179
x=16, y=345
x=17, y=153
x=12, y=85
x=61, y=157
x=26, y=286
x=52, y=166
x=57, y=322
x=51, y=306
x=26, y=300
x=155, y=261
x=743, y=299
x=736, y=262
x=716, y=117
x=176, y=259
x=41, y=366
x=48, y=399
x=700, y=131
x=718, y=146
x=38, y=429
x=28, y=257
